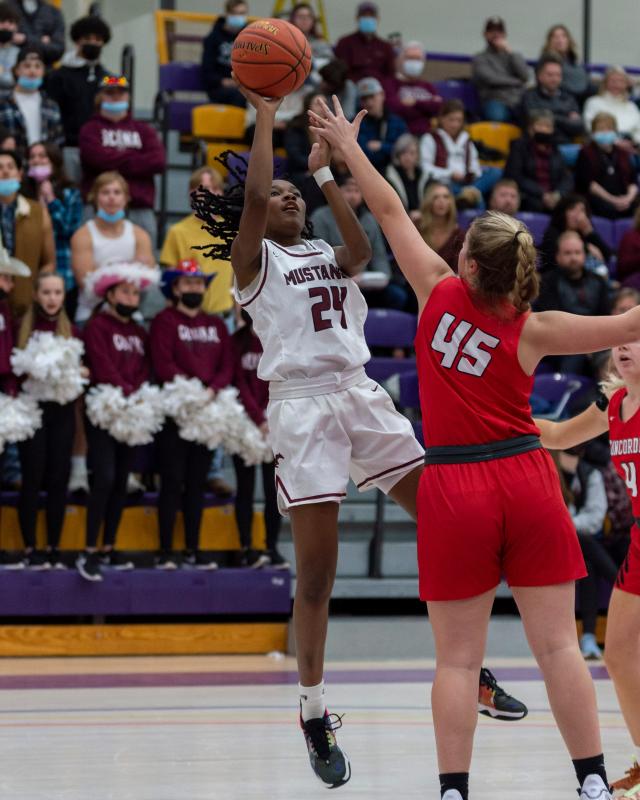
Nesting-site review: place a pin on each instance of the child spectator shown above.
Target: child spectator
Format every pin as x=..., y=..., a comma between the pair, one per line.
x=28, y=114
x=364, y=52
x=499, y=74
x=406, y=175
x=108, y=237
x=254, y=395
x=573, y=214
x=438, y=224
x=25, y=230
x=8, y=47
x=505, y=197
x=536, y=165
x=575, y=78
x=449, y=156
x=605, y=172
x=408, y=95
x=45, y=459
x=334, y=80
x=216, y=55
x=48, y=183
x=113, y=140
x=613, y=98
x=40, y=25
x=117, y=354
x=629, y=250
x=548, y=94
x=380, y=129
x=183, y=240
x=185, y=341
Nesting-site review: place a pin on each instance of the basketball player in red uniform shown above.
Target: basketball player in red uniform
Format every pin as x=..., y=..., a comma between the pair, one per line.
x=489, y=502
x=621, y=416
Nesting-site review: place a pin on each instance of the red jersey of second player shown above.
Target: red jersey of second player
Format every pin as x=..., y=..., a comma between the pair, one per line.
x=624, y=438
x=472, y=387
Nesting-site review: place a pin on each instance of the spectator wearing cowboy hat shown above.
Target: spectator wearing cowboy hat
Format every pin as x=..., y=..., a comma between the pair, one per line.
x=185, y=341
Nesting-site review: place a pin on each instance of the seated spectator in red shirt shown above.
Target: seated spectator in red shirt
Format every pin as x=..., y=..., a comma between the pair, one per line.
x=629, y=250
x=380, y=129
x=406, y=175
x=536, y=165
x=408, y=95
x=605, y=172
x=366, y=54
x=438, y=224
x=505, y=197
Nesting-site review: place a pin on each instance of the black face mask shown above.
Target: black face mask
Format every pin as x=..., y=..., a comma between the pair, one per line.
x=191, y=299
x=91, y=51
x=5, y=35
x=542, y=137
x=3, y=294
x=125, y=311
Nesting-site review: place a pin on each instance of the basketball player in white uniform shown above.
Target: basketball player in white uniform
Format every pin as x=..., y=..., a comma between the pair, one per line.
x=327, y=420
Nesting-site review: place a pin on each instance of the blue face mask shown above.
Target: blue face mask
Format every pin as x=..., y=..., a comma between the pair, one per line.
x=236, y=21
x=116, y=217
x=9, y=186
x=30, y=84
x=605, y=138
x=113, y=107
x=367, y=24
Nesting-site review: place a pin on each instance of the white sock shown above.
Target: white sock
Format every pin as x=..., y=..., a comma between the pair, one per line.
x=312, y=702
x=79, y=463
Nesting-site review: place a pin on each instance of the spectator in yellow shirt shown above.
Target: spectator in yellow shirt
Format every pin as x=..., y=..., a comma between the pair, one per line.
x=184, y=235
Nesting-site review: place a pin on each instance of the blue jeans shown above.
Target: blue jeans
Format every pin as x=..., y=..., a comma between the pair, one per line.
x=496, y=111
x=215, y=470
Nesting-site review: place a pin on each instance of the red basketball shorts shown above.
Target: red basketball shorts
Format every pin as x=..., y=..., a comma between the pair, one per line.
x=480, y=522
x=629, y=576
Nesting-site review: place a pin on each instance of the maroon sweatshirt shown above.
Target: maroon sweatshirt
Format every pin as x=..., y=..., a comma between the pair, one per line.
x=427, y=102
x=254, y=393
x=131, y=148
x=194, y=347
x=116, y=352
x=7, y=379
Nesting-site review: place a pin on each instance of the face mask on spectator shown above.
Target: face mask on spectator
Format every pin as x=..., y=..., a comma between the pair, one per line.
x=191, y=299
x=605, y=138
x=125, y=311
x=115, y=217
x=413, y=67
x=542, y=137
x=9, y=186
x=367, y=24
x=91, y=51
x=29, y=83
x=5, y=35
x=114, y=107
x=40, y=172
x=236, y=21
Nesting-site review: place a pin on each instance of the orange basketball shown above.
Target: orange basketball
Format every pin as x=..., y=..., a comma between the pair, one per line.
x=271, y=57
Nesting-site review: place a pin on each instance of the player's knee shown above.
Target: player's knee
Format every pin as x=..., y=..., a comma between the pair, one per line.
x=314, y=589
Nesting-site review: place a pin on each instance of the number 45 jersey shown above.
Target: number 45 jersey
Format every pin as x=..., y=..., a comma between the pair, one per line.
x=624, y=439
x=308, y=315
x=472, y=387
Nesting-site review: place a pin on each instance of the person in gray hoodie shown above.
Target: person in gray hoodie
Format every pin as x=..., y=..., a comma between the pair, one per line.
x=500, y=75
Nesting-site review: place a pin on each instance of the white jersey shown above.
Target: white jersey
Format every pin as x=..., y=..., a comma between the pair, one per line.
x=309, y=317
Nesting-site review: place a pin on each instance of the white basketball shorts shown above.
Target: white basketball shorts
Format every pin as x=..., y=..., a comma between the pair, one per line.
x=321, y=441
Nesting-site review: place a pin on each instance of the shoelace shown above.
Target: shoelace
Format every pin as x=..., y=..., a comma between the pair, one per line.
x=321, y=734
x=486, y=676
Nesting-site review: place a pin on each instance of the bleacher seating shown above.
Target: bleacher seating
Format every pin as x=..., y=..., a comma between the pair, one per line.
x=389, y=329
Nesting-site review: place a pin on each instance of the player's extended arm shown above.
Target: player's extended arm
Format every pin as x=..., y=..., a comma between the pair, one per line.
x=246, y=250
x=421, y=265
x=354, y=255
x=571, y=432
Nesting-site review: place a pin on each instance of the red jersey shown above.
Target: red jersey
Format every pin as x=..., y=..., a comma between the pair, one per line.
x=472, y=387
x=624, y=438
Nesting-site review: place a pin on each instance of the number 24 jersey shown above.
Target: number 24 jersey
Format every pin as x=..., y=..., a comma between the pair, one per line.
x=624, y=439
x=472, y=387
x=307, y=313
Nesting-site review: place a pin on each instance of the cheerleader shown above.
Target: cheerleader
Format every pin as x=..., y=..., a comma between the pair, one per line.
x=186, y=341
x=45, y=459
x=254, y=395
x=117, y=354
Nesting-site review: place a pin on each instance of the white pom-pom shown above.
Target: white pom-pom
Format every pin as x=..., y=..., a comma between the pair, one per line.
x=132, y=420
x=53, y=365
x=20, y=418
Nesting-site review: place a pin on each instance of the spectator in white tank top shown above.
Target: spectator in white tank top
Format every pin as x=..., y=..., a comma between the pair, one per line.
x=108, y=237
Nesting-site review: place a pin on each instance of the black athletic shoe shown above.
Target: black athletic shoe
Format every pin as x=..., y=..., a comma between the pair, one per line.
x=37, y=560
x=494, y=702
x=166, y=561
x=88, y=565
x=114, y=559
x=255, y=559
x=278, y=561
x=205, y=561
x=329, y=763
x=53, y=556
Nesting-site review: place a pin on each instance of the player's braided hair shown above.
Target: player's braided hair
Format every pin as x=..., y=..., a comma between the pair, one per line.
x=220, y=214
x=506, y=256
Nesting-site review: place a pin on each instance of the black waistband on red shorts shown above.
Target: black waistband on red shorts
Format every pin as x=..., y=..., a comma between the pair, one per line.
x=472, y=453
